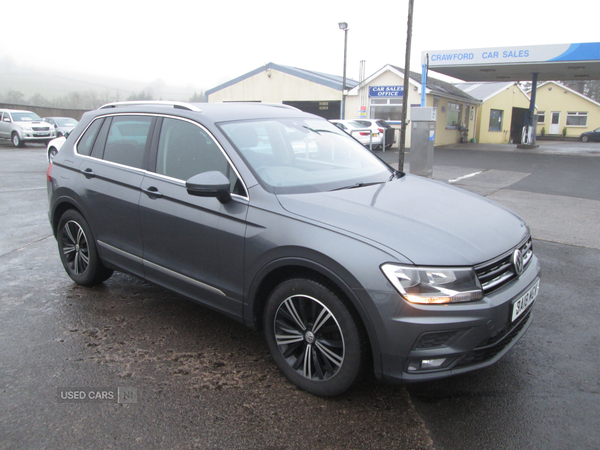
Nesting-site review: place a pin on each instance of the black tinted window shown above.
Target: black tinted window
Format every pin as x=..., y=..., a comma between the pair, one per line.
x=126, y=141
x=185, y=150
x=84, y=147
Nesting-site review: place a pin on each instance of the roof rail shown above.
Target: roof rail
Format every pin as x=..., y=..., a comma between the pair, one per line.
x=178, y=105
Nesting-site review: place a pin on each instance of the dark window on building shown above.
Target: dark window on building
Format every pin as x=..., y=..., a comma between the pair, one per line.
x=541, y=116
x=453, y=115
x=577, y=119
x=496, y=120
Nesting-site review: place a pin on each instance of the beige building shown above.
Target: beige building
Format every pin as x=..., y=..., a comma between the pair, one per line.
x=310, y=91
x=380, y=96
x=501, y=116
x=563, y=111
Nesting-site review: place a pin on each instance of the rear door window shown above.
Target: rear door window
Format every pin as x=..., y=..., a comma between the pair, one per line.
x=127, y=139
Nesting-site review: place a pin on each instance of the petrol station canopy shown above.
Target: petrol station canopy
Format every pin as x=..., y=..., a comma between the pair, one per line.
x=550, y=62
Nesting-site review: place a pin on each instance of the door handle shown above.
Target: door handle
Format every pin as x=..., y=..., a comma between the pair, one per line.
x=89, y=173
x=152, y=192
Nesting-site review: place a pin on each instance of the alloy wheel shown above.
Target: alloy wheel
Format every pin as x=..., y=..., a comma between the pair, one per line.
x=309, y=337
x=75, y=248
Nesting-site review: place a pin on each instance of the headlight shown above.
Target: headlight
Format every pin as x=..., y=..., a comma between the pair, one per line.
x=26, y=128
x=434, y=285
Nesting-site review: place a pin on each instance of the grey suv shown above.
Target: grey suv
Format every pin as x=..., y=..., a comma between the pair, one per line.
x=282, y=221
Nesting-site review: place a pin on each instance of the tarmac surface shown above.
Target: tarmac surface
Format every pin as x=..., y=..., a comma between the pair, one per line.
x=203, y=381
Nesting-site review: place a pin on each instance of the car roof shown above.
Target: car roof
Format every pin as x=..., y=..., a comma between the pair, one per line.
x=215, y=112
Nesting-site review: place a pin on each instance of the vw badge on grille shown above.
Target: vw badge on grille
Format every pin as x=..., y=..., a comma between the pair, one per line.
x=518, y=262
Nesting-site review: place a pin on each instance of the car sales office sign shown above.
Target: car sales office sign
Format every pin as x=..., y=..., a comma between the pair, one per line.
x=386, y=91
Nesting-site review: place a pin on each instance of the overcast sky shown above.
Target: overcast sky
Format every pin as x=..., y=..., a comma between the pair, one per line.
x=203, y=43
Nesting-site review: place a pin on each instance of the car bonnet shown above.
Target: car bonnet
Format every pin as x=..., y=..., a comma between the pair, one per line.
x=429, y=223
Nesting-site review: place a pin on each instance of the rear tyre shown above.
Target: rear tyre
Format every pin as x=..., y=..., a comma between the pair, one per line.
x=78, y=251
x=16, y=140
x=313, y=337
x=585, y=138
x=51, y=154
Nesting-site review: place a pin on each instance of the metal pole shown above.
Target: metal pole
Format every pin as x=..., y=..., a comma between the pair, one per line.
x=405, y=92
x=343, y=112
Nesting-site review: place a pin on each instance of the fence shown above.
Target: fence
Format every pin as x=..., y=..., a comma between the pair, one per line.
x=43, y=111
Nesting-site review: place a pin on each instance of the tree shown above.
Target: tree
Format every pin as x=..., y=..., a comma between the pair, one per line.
x=14, y=97
x=198, y=98
x=143, y=95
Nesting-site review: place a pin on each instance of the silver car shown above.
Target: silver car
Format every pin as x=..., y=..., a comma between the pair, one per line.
x=279, y=219
x=20, y=127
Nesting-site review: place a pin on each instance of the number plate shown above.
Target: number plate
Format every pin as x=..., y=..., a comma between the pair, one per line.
x=527, y=299
x=42, y=134
x=374, y=134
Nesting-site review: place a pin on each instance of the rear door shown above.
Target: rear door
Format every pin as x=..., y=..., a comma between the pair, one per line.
x=115, y=155
x=193, y=245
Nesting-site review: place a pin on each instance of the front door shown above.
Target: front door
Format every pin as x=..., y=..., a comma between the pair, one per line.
x=192, y=245
x=555, y=123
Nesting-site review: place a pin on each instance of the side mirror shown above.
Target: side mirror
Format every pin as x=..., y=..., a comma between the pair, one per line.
x=209, y=184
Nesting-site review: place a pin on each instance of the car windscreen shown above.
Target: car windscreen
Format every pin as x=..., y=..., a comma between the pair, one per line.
x=25, y=117
x=290, y=155
x=66, y=122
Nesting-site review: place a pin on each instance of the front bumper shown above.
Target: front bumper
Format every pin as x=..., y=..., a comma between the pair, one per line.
x=431, y=342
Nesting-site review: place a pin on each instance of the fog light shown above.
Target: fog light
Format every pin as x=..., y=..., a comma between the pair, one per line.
x=426, y=364
x=432, y=363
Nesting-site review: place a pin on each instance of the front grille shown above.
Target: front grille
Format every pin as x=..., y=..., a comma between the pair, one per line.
x=40, y=128
x=500, y=271
x=489, y=348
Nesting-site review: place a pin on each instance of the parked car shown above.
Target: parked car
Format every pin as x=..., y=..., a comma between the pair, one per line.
x=62, y=125
x=24, y=126
x=54, y=146
x=343, y=262
x=590, y=135
x=381, y=126
x=364, y=134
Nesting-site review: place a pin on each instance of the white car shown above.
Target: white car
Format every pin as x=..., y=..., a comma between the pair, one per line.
x=54, y=146
x=381, y=126
x=367, y=136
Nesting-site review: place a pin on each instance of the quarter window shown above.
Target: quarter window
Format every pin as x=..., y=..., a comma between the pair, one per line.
x=577, y=119
x=85, y=144
x=496, y=120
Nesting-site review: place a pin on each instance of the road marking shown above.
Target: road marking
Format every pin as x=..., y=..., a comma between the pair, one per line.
x=454, y=180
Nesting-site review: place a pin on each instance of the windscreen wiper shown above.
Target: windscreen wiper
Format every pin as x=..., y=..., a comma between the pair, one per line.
x=358, y=185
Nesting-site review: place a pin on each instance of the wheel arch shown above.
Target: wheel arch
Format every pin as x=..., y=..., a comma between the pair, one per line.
x=288, y=268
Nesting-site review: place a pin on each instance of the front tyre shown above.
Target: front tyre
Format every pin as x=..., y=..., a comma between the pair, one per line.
x=16, y=140
x=313, y=337
x=78, y=251
x=585, y=138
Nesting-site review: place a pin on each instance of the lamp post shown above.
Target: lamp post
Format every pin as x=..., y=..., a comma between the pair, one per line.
x=344, y=26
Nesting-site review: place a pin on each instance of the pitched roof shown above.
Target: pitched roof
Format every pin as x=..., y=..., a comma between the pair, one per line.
x=332, y=81
x=573, y=91
x=485, y=90
x=440, y=87
x=434, y=86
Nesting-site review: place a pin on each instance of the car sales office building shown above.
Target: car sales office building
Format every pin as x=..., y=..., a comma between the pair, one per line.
x=379, y=96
